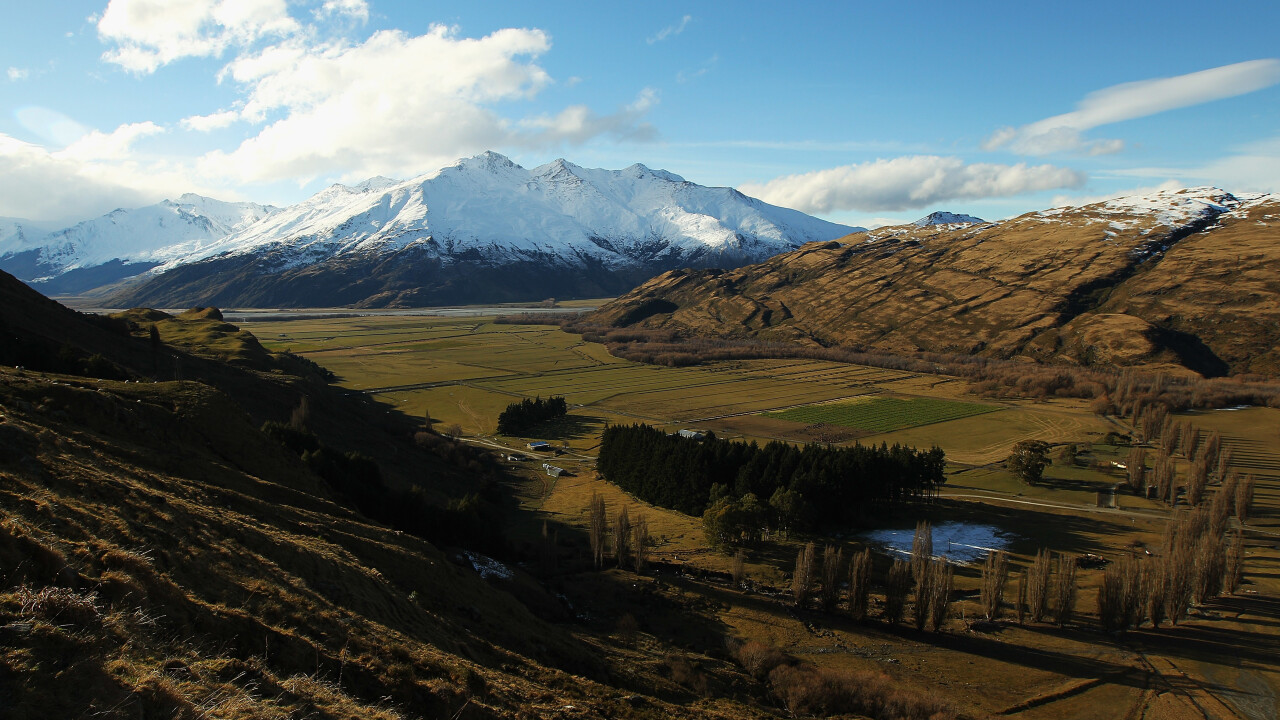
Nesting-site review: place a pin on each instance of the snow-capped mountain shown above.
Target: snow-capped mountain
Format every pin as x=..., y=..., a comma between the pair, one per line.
x=123, y=242
x=489, y=204
x=943, y=217
x=483, y=229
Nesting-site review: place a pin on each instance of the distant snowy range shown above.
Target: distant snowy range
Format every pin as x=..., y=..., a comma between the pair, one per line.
x=482, y=230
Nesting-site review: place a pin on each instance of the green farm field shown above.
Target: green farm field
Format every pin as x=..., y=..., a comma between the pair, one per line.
x=883, y=414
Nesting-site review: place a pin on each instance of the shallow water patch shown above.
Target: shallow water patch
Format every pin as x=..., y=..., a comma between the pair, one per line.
x=960, y=542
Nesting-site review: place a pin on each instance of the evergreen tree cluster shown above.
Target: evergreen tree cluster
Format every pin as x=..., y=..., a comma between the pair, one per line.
x=781, y=485
x=521, y=416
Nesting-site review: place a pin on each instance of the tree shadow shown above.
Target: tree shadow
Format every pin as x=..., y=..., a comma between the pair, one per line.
x=570, y=427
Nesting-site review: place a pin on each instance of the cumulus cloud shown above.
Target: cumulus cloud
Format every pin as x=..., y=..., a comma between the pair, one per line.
x=908, y=182
x=152, y=33
x=354, y=110
x=1064, y=133
x=16, y=73
x=65, y=187
x=670, y=30
x=316, y=104
x=115, y=145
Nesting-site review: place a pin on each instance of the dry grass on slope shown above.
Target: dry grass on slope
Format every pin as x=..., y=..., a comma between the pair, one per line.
x=151, y=568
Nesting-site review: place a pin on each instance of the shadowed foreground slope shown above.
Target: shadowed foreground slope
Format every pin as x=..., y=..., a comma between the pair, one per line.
x=161, y=556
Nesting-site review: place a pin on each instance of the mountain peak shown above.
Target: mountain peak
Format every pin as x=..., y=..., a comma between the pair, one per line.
x=942, y=217
x=639, y=170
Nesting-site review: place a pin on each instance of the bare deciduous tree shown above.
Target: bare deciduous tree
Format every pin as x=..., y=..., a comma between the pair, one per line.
x=597, y=525
x=1224, y=501
x=1210, y=567
x=802, y=580
x=1156, y=585
x=1244, y=500
x=1235, y=564
x=1136, y=469
x=859, y=584
x=939, y=581
x=640, y=542
x=1179, y=569
x=1020, y=607
x=895, y=595
x=1065, y=589
x=1120, y=598
x=832, y=562
x=622, y=536
x=1197, y=481
x=995, y=573
x=1038, y=576
x=921, y=551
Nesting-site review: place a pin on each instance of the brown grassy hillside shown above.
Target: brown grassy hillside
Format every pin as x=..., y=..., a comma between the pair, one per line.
x=161, y=556
x=1123, y=282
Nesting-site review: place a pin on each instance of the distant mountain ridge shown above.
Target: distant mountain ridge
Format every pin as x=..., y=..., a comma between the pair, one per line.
x=121, y=243
x=1180, y=278
x=484, y=229
x=943, y=217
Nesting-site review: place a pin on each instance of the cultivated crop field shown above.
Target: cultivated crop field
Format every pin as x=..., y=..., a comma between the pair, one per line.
x=883, y=414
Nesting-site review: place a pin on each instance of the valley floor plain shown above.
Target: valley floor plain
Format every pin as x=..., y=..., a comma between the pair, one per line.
x=461, y=372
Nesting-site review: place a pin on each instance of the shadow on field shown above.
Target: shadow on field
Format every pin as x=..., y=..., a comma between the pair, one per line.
x=1074, y=484
x=569, y=427
x=1064, y=532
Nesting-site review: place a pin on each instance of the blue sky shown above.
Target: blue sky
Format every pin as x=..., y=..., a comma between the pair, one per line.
x=860, y=113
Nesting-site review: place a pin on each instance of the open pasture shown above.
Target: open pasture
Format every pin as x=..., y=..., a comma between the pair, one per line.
x=464, y=371
x=467, y=371
x=883, y=414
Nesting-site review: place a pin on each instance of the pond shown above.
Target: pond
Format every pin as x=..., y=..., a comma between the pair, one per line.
x=960, y=542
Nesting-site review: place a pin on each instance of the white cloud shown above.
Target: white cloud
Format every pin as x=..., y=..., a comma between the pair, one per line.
x=355, y=111
x=15, y=74
x=211, y=122
x=1253, y=167
x=66, y=187
x=354, y=9
x=1063, y=133
x=115, y=145
x=908, y=182
x=152, y=33
x=578, y=124
x=670, y=30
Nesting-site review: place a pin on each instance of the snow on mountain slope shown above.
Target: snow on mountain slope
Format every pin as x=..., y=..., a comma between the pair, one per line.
x=490, y=205
x=943, y=217
x=151, y=234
